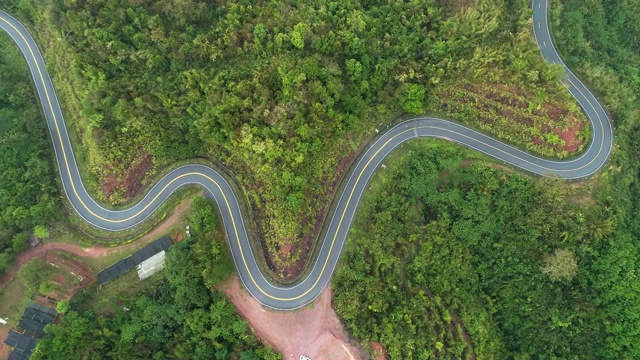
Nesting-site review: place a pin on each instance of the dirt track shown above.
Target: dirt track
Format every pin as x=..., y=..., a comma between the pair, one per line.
x=314, y=331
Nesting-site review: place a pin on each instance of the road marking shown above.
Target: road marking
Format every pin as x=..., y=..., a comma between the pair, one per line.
x=234, y=226
x=544, y=43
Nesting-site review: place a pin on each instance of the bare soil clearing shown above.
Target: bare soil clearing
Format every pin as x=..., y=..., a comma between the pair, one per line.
x=94, y=251
x=41, y=250
x=129, y=182
x=314, y=331
x=570, y=136
x=378, y=351
x=80, y=271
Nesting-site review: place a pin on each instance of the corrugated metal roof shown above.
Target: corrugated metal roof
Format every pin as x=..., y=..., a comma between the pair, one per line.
x=138, y=257
x=22, y=343
x=151, y=249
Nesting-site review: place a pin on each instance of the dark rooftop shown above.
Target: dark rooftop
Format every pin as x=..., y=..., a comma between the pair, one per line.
x=129, y=263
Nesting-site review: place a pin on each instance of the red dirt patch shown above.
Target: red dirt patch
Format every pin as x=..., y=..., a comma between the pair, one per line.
x=77, y=269
x=314, y=331
x=286, y=249
x=570, y=136
x=129, y=182
x=44, y=250
x=58, y=279
x=96, y=250
x=378, y=351
x=551, y=127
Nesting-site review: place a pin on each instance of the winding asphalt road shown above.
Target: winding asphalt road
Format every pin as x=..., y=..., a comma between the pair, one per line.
x=292, y=297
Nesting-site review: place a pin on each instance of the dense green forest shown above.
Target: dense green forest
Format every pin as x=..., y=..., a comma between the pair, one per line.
x=526, y=268
x=28, y=192
x=447, y=259
x=602, y=45
x=442, y=251
x=182, y=318
x=270, y=87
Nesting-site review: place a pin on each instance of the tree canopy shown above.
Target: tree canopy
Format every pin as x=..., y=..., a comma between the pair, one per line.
x=453, y=260
x=28, y=191
x=282, y=92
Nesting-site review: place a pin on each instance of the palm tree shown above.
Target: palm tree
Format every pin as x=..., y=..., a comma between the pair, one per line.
x=599, y=226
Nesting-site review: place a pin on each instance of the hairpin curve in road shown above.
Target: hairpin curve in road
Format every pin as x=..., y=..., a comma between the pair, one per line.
x=293, y=297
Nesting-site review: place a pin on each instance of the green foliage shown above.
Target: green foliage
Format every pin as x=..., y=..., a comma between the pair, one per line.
x=63, y=306
x=413, y=99
x=71, y=339
x=32, y=275
x=27, y=191
x=267, y=88
x=600, y=40
x=561, y=265
x=6, y=260
x=519, y=116
x=186, y=279
x=182, y=319
x=209, y=247
x=41, y=232
x=19, y=242
x=441, y=251
x=46, y=287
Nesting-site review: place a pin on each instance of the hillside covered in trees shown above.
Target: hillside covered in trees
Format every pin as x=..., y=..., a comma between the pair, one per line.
x=450, y=257
x=269, y=88
x=454, y=260
x=28, y=191
x=499, y=265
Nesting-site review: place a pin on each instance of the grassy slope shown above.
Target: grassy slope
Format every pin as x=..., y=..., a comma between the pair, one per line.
x=278, y=186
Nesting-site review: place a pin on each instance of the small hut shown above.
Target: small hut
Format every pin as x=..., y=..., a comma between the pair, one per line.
x=34, y=240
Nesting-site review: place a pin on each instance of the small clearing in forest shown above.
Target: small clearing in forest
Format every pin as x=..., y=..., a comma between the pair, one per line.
x=314, y=331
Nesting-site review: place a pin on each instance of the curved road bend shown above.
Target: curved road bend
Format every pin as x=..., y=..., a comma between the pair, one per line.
x=292, y=297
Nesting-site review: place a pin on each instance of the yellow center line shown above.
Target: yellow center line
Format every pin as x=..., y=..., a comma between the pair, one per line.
x=233, y=222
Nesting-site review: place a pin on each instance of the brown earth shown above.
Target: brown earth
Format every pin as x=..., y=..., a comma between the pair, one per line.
x=40, y=251
x=496, y=100
x=314, y=331
x=130, y=181
x=94, y=251
x=79, y=270
x=378, y=351
x=570, y=136
x=285, y=250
